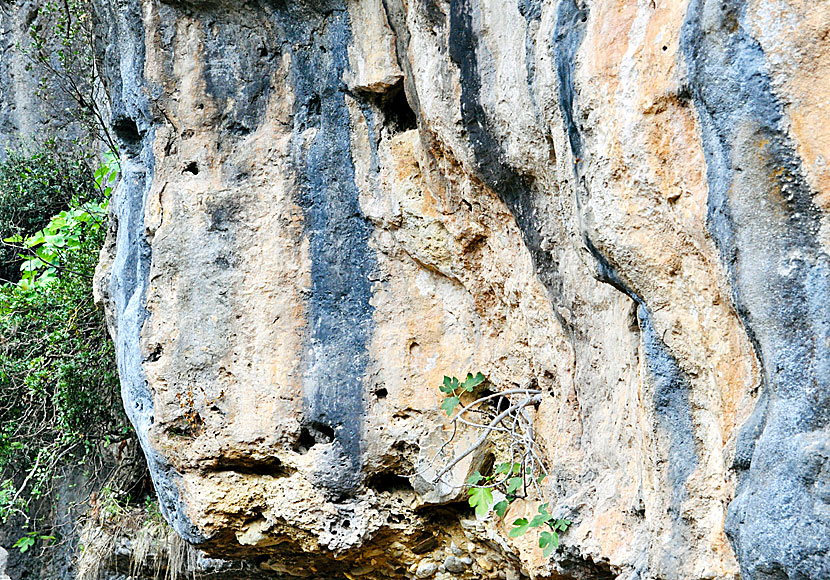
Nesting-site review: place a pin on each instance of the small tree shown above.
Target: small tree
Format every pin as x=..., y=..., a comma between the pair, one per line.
x=520, y=474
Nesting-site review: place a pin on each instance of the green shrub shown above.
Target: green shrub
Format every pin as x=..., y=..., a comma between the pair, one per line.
x=521, y=474
x=59, y=389
x=33, y=188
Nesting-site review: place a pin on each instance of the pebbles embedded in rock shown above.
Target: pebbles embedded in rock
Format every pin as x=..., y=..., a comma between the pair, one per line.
x=426, y=568
x=455, y=565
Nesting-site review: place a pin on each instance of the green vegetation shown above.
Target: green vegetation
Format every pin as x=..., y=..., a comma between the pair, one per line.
x=33, y=188
x=504, y=417
x=59, y=389
x=66, y=446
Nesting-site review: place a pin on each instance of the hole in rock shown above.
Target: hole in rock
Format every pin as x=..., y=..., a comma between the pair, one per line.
x=306, y=441
x=397, y=114
x=325, y=433
x=424, y=543
x=126, y=131
x=313, y=106
x=488, y=464
x=389, y=482
x=445, y=516
x=155, y=353
x=271, y=466
x=311, y=435
x=381, y=393
x=574, y=565
x=502, y=404
x=192, y=168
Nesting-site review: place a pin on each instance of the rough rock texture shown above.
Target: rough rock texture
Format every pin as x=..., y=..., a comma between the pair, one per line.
x=21, y=114
x=328, y=205
x=26, y=120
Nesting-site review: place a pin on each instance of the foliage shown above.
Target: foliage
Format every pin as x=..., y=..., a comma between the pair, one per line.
x=24, y=543
x=505, y=416
x=453, y=390
x=59, y=389
x=51, y=250
x=33, y=188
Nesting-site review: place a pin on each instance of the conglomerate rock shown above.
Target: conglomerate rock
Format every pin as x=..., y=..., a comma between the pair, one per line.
x=328, y=205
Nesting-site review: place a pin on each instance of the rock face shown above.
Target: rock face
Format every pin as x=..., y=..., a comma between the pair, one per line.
x=329, y=205
x=24, y=120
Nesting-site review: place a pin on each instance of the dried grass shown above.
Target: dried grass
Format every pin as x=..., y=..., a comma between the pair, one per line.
x=136, y=539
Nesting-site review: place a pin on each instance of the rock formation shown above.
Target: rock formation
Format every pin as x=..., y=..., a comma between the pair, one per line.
x=328, y=205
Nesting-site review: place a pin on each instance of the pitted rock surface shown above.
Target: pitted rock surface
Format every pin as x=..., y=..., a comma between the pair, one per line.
x=327, y=206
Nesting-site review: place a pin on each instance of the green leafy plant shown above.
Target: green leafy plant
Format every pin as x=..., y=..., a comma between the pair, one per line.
x=47, y=252
x=59, y=388
x=453, y=390
x=24, y=543
x=33, y=188
x=503, y=415
x=50, y=247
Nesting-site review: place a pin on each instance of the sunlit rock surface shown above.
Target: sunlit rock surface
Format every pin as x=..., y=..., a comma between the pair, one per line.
x=327, y=206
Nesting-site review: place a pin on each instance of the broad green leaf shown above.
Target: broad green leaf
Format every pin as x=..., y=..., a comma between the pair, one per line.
x=35, y=240
x=501, y=507
x=540, y=520
x=46, y=254
x=549, y=541
x=24, y=543
x=449, y=405
x=481, y=498
x=447, y=386
x=503, y=468
x=474, y=478
x=514, y=483
x=56, y=240
x=520, y=526
x=14, y=239
x=31, y=265
x=472, y=382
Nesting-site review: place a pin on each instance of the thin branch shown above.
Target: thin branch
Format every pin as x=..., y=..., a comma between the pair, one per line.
x=483, y=437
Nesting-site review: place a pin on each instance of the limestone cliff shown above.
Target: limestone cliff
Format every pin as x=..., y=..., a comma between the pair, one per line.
x=328, y=205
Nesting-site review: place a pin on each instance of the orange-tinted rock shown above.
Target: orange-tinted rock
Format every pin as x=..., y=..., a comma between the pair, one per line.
x=330, y=207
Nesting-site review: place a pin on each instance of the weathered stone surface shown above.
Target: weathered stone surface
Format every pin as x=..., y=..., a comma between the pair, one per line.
x=621, y=203
x=36, y=104
x=4, y=558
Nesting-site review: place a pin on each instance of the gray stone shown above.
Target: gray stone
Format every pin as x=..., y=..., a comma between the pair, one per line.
x=426, y=568
x=4, y=558
x=455, y=565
